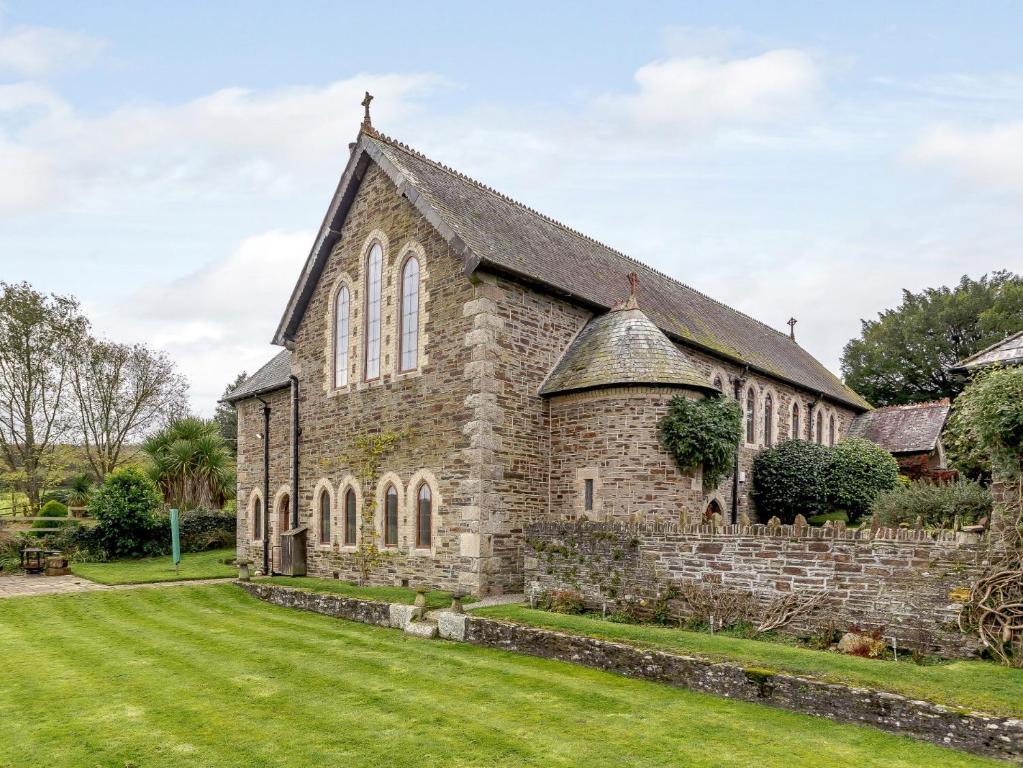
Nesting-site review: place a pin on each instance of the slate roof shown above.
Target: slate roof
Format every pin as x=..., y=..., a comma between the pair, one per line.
x=1008, y=351
x=621, y=347
x=493, y=231
x=903, y=428
x=274, y=375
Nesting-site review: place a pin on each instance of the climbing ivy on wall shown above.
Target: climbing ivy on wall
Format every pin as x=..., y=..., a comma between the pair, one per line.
x=703, y=432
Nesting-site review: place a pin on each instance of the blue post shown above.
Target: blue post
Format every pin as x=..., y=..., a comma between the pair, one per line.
x=175, y=539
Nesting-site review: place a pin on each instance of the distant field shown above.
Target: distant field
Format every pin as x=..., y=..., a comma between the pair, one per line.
x=11, y=501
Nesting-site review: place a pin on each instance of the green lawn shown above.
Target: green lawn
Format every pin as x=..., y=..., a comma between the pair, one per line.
x=978, y=685
x=206, y=675
x=434, y=599
x=197, y=565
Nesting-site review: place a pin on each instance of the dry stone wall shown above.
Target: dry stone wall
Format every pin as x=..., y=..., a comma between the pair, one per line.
x=911, y=583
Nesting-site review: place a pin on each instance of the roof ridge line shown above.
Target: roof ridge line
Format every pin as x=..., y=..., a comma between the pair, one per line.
x=475, y=182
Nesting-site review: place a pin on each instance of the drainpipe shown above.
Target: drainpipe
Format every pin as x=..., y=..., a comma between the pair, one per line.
x=294, y=451
x=266, y=486
x=740, y=383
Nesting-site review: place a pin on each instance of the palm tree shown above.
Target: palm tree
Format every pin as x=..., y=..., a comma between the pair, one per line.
x=191, y=463
x=79, y=492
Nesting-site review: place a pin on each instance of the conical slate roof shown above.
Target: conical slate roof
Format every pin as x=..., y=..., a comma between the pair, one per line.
x=622, y=347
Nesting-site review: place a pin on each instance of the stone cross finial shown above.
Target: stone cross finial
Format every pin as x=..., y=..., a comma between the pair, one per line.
x=367, y=123
x=792, y=328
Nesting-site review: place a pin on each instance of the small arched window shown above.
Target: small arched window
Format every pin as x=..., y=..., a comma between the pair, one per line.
x=350, y=525
x=794, y=434
x=768, y=420
x=257, y=519
x=391, y=517
x=324, y=517
x=751, y=410
x=719, y=385
x=342, y=313
x=424, y=517
x=374, y=266
x=820, y=428
x=409, y=337
x=831, y=431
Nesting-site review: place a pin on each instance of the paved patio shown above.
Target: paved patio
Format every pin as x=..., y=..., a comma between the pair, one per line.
x=28, y=586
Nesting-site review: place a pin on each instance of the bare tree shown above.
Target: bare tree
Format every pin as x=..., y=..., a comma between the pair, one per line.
x=38, y=335
x=122, y=390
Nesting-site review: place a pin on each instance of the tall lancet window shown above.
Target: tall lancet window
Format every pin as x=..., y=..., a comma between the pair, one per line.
x=794, y=434
x=751, y=411
x=768, y=420
x=831, y=431
x=374, y=265
x=342, y=313
x=410, y=314
x=820, y=428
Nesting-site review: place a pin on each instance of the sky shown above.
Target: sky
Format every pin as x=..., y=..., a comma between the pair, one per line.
x=169, y=163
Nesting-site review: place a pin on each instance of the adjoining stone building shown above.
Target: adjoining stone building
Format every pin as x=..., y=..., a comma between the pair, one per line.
x=515, y=373
x=912, y=434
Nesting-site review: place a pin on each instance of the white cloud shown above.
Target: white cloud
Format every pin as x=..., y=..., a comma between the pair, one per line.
x=217, y=321
x=698, y=93
x=36, y=51
x=990, y=156
x=229, y=143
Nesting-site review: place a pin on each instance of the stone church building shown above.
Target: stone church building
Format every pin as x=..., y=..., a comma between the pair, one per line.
x=457, y=366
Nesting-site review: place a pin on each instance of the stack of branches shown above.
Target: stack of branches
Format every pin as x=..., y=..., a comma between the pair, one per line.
x=723, y=608
x=994, y=610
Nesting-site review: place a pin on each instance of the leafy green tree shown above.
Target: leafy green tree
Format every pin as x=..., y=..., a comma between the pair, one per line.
x=191, y=463
x=994, y=400
x=226, y=416
x=791, y=479
x=858, y=470
x=38, y=337
x=904, y=356
x=127, y=508
x=703, y=433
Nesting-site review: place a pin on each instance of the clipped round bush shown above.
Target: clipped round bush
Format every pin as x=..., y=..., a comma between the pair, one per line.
x=127, y=508
x=790, y=479
x=857, y=471
x=936, y=505
x=52, y=508
x=703, y=433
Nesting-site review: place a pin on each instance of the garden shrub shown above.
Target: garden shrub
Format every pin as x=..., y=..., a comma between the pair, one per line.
x=203, y=529
x=994, y=402
x=52, y=508
x=127, y=508
x=703, y=433
x=790, y=479
x=563, y=601
x=857, y=471
x=936, y=505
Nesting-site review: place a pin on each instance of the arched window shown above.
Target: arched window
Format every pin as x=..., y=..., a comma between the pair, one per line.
x=794, y=434
x=391, y=517
x=751, y=409
x=342, y=311
x=374, y=266
x=831, y=430
x=284, y=515
x=257, y=519
x=424, y=517
x=768, y=420
x=324, y=517
x=820, y=427
x=719, y=385
x=350, y=518
x=409, y=337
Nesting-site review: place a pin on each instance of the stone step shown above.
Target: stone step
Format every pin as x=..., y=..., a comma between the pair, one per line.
x=425, y=629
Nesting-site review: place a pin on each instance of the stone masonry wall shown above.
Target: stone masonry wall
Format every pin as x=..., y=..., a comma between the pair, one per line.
x=250, y=467
x=611, y=437
x=909, y=582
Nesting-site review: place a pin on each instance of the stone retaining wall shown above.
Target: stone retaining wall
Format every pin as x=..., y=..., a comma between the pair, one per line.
x=999, y=737
x=911, y=583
